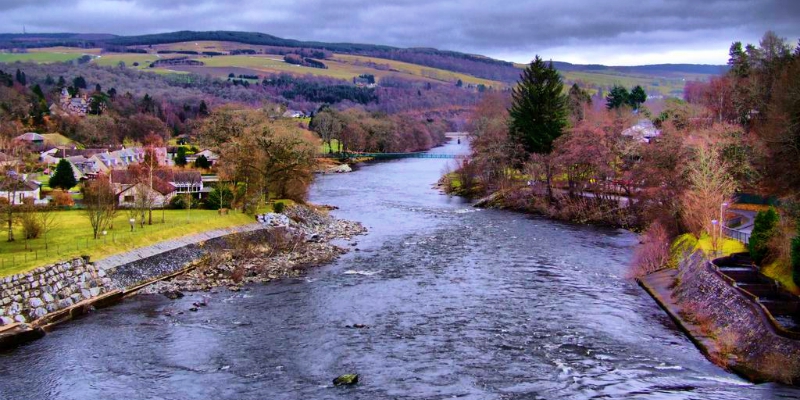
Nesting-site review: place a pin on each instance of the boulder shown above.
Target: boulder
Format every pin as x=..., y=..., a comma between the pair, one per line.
x=346, y=380
x=39, y=312
x=35, y=302
x=173, y=294
x=6, y=321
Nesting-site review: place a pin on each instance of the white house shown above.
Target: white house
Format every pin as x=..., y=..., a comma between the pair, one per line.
x=15, y=190
x=643, y=131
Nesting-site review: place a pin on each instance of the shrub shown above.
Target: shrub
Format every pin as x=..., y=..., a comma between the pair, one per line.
x=61, y=198
x=180, y=202
x=220, y=197
x=654, y=252
x=763, y=230
x=279, y=207
x=31, y=226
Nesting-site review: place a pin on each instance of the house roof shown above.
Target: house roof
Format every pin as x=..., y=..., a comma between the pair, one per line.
x=31, y=137
x=159, y=186
x=163, y=179
x=11, y=183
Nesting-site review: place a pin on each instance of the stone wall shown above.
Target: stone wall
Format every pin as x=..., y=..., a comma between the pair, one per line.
x=752, y=343
x=29, y=296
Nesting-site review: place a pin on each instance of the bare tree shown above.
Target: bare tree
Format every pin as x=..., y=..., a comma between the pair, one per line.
x=11, y=182
x=710, y=185
x=100, y=202
x=48, y=221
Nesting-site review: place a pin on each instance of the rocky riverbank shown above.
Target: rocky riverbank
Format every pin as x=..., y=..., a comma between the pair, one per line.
x=298, y=239
x=611, y=211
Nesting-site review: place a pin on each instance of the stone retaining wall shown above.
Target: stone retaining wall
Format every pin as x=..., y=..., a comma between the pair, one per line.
x=754, y=345
x=29, y=296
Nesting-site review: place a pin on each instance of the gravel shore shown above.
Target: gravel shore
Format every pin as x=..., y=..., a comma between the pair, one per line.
x=298, y=239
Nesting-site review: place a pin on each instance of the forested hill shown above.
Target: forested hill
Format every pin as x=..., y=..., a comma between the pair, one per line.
x=475, y=65
x=703, y=69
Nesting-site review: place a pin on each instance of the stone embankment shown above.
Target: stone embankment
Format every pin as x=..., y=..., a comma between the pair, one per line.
x=728, y=326
x=30, y=296
x=298, y=239
x=281, y=245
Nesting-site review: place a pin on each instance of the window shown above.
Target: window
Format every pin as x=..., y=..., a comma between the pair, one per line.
x=128, y=199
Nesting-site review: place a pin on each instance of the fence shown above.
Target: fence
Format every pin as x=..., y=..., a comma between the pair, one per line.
x=743, y=237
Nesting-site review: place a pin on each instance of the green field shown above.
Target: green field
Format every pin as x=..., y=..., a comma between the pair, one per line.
x=72, y=236
x=37, y=57
x=411, y=69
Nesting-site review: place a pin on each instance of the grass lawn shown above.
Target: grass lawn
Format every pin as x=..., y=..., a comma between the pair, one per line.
x=72, y=236
x=347, y=62
x=325, y=149
x=37, y=57
x=783, y=274
x=726, y=246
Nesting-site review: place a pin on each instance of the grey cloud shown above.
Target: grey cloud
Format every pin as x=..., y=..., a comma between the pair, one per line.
x=513, y=26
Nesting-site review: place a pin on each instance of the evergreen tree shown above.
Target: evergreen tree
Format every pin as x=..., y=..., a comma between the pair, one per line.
x=577, y=100
x=112, y=93
x=203, y=109
x=738, y=60
x=79, y=82
x=763, y=230
x=617, y=97
x=21, y=78
x=202, y=162
x=180, y=158
x=49, y=80
x=61, y=82
x=97, y=103
x=37, y=90
x=539, y=109
x=148, y=105
x=637, y=97
x=98, y=88
x=459, y=83
x=64, y=178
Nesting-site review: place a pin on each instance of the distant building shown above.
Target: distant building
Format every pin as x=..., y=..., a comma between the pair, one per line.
x=121, y=159
x=212, y=157
x=78, y=105
x=32, y=138
x=643, y=131
x=14, y=190
x=294, y=114
x=167, y=183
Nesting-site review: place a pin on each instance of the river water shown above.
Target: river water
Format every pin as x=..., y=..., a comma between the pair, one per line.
x=458, y=303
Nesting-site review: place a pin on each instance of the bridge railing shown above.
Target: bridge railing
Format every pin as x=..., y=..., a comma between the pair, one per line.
x=743, y=237
x=390, y=155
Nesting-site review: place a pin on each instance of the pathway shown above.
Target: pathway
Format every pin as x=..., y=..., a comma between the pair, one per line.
x=172, y=244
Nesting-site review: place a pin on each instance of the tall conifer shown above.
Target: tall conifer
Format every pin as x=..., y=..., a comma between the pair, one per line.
x=539, y=109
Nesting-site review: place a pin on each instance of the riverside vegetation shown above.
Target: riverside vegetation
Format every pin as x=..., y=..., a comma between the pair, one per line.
x=558, y=152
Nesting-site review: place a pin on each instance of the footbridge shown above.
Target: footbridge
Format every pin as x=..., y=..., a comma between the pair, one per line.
x=391, y=155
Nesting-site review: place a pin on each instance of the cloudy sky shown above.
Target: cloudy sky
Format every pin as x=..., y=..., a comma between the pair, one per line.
x=619, y=32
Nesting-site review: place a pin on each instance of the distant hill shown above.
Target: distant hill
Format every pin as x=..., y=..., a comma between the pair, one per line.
x=703, y=69
x=666, y=79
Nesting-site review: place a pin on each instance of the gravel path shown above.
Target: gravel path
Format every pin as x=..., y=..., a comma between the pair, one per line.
x=172, y=244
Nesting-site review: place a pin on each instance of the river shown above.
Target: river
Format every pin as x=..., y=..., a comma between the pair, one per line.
x=457, y=303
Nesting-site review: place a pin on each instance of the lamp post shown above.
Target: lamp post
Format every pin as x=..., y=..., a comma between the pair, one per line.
x=132, y=222
x=714, y=234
